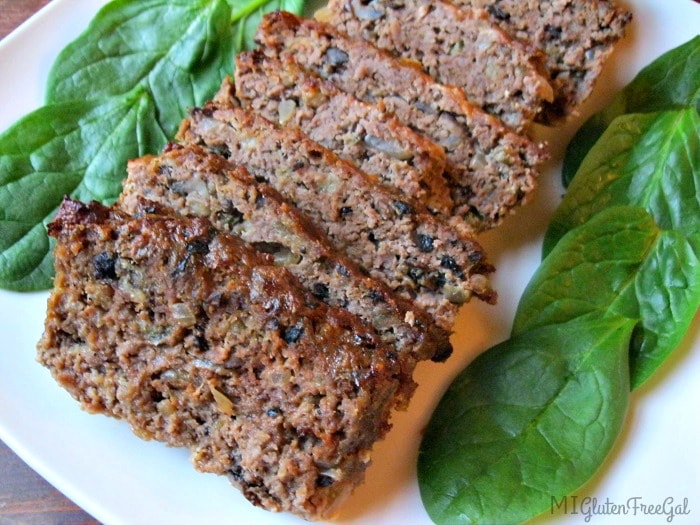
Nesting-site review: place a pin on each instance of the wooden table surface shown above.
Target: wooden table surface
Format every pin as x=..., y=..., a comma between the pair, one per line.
x=25, y=498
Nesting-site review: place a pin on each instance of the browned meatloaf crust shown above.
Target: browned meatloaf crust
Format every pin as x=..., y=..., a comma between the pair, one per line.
x=461, y=47
x=393, y=238
x=490, y=169
x=281, y=91
x=197, y=340
x=576, y=38
x=193, y=182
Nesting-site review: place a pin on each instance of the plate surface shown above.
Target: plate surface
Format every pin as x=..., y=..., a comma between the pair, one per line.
x=120, y=479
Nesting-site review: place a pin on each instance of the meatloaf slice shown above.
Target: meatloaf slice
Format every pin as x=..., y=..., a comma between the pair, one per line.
x=196, y=339
x=393, y=238
x=193, y=182
x=490, y=169
x=281, y=91
x=461, y=47
x=576, y=38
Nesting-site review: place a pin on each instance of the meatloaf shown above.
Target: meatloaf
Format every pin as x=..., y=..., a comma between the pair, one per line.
x=198, y=340
x=193, y=182
x=461, y=47
x=490, y=169
x=280, y=90
x=394, y=238
x=576, y=38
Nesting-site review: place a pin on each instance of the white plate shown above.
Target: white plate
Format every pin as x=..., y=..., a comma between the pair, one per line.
x=120, y=479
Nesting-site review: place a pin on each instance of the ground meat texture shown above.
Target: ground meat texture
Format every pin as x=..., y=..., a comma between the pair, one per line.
x=286, y=397
x=377, y=234
x=281, y=91
x=461, y=47
x=490, y=169
x=193, y=182
x=576, y=39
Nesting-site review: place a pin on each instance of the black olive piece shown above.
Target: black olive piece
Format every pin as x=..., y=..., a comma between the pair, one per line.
x=376, y=296
x=292, y=334
x=320, y=291
x=342, y=270
x=425, y=243
x=104, y=265
x=202, y=342
x=373, y=239
x=324, y=481
x=236, y=474
x=497, y=12
x=450, y=264
x=198, y=246
x=403, y=207
x=553, y=32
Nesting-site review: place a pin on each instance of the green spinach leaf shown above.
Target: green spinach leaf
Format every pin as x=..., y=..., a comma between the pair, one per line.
x=177, y=50
x=619, y=263
x=529, y=420
x=647, y=160
x=75, y=148
x=670, y=82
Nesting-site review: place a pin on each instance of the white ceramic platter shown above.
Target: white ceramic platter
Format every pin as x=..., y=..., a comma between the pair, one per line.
x=120, y=479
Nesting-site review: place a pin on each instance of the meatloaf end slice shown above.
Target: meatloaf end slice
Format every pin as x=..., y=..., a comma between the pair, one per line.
x=491, y=170
x=196, y=339
x=193, y=182
x=460, y=47
x=575, y=37
x=281, y=91
x=393, y=238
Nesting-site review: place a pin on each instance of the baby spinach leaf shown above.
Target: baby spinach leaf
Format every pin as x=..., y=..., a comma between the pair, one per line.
x=648, y=160
x=619, y=263
x=670, y=82
x=178, y=50
x=246, y=17
x=529, y=420
x=74, y=148
x=668, y=291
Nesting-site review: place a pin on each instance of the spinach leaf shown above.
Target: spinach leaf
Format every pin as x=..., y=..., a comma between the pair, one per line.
x=74, y=148
x=178, y=50
x=648, y=160
x=529, y=420
x=670, y=82
x=620, y=263
x=246, y=17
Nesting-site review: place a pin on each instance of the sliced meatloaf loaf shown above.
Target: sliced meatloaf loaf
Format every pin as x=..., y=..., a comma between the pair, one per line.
x=280, y=90
x=193, y=182
x=196, y=339
x=490, y=169
x=576, y=38
x=393, y=238
x=461, y=47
